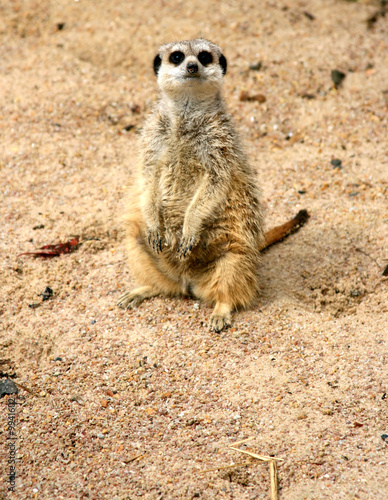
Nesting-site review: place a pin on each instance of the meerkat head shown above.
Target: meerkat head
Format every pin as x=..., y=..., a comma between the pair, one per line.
x=192, y=68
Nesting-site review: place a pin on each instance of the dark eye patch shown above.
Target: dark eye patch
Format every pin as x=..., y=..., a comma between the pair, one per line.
x=223, y=63
x=157, y=63
x=205, y=58
x=176, y=57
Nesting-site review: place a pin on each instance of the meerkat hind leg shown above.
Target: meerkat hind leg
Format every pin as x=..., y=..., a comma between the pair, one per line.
x=232, y=283
x=145, y=271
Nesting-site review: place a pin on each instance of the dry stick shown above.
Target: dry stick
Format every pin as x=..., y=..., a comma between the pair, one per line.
x=254, y=455
x=241, y=442
x=25, y=388
x=367, y=254
x=136, y=457
x=273, y=471
x=272, y=466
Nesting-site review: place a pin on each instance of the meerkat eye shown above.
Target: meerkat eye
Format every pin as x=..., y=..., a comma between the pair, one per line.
x=177, y=57
x=205, y=58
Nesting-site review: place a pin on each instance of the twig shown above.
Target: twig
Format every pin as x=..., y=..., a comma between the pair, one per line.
x=25, y=388
x=241, y=442
x=254, y=455
x=273, y=472
x=272, y=466
x=362, y=251
x=132, y=459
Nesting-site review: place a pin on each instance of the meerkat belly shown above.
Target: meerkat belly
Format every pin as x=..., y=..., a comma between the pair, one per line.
x=177, y=186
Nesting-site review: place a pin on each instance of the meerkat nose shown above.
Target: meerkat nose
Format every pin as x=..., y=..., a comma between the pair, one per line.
x=192, y=68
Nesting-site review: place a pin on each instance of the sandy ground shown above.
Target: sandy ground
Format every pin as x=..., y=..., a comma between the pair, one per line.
x=137, y=404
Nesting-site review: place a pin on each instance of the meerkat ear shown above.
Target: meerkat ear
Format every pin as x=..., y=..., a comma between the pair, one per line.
x=157, y=63
x=223, y=63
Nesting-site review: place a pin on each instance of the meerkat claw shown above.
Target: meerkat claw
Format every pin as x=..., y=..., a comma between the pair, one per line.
x=127, y=301
x=155, y=241
x=185, y=247
x=219, y=323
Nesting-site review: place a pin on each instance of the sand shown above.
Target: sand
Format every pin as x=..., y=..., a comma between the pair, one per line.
x=137, y=404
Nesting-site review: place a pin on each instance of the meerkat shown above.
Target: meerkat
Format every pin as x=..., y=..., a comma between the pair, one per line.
x=194, y=221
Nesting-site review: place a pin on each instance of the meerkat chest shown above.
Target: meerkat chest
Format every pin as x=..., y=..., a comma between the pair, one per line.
x=181, y=171
x=179, y=179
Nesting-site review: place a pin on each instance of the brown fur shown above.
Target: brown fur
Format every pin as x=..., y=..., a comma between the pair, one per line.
x=194, y=218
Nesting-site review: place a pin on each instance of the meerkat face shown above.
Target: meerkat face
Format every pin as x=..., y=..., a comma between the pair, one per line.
x=191, y=68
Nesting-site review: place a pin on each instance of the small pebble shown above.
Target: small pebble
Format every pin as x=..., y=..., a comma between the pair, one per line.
x=47, y=293
x=256, y=67
x=337, y=163
x=309, y=16
x=337, y=77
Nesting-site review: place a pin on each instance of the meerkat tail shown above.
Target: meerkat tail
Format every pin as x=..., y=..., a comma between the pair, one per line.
x=278, y=233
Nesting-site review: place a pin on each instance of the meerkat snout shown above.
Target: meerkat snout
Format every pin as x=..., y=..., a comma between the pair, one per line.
x=192, y=68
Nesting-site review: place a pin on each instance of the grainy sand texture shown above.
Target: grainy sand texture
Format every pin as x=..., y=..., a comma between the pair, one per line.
x=142, y=403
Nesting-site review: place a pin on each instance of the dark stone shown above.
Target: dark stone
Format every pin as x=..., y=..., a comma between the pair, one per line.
x=309, y=16
x=7, y=387
x=47, y=293
x=337, y=163
x=256, y=67
x=337, y=77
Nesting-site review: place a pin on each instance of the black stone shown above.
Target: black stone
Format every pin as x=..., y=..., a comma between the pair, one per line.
x=337, y=77
x=7, y=387
x=337, y=163
x=256, y=67
x=47, y=293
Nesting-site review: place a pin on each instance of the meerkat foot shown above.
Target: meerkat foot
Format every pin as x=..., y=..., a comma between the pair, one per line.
x=221, y=317
x=135, y=297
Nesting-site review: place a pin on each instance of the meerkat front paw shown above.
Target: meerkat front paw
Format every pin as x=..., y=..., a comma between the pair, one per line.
x=155, y=241
x=186, y=245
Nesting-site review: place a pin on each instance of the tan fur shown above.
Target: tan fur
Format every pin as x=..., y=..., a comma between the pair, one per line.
x=194, y=218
